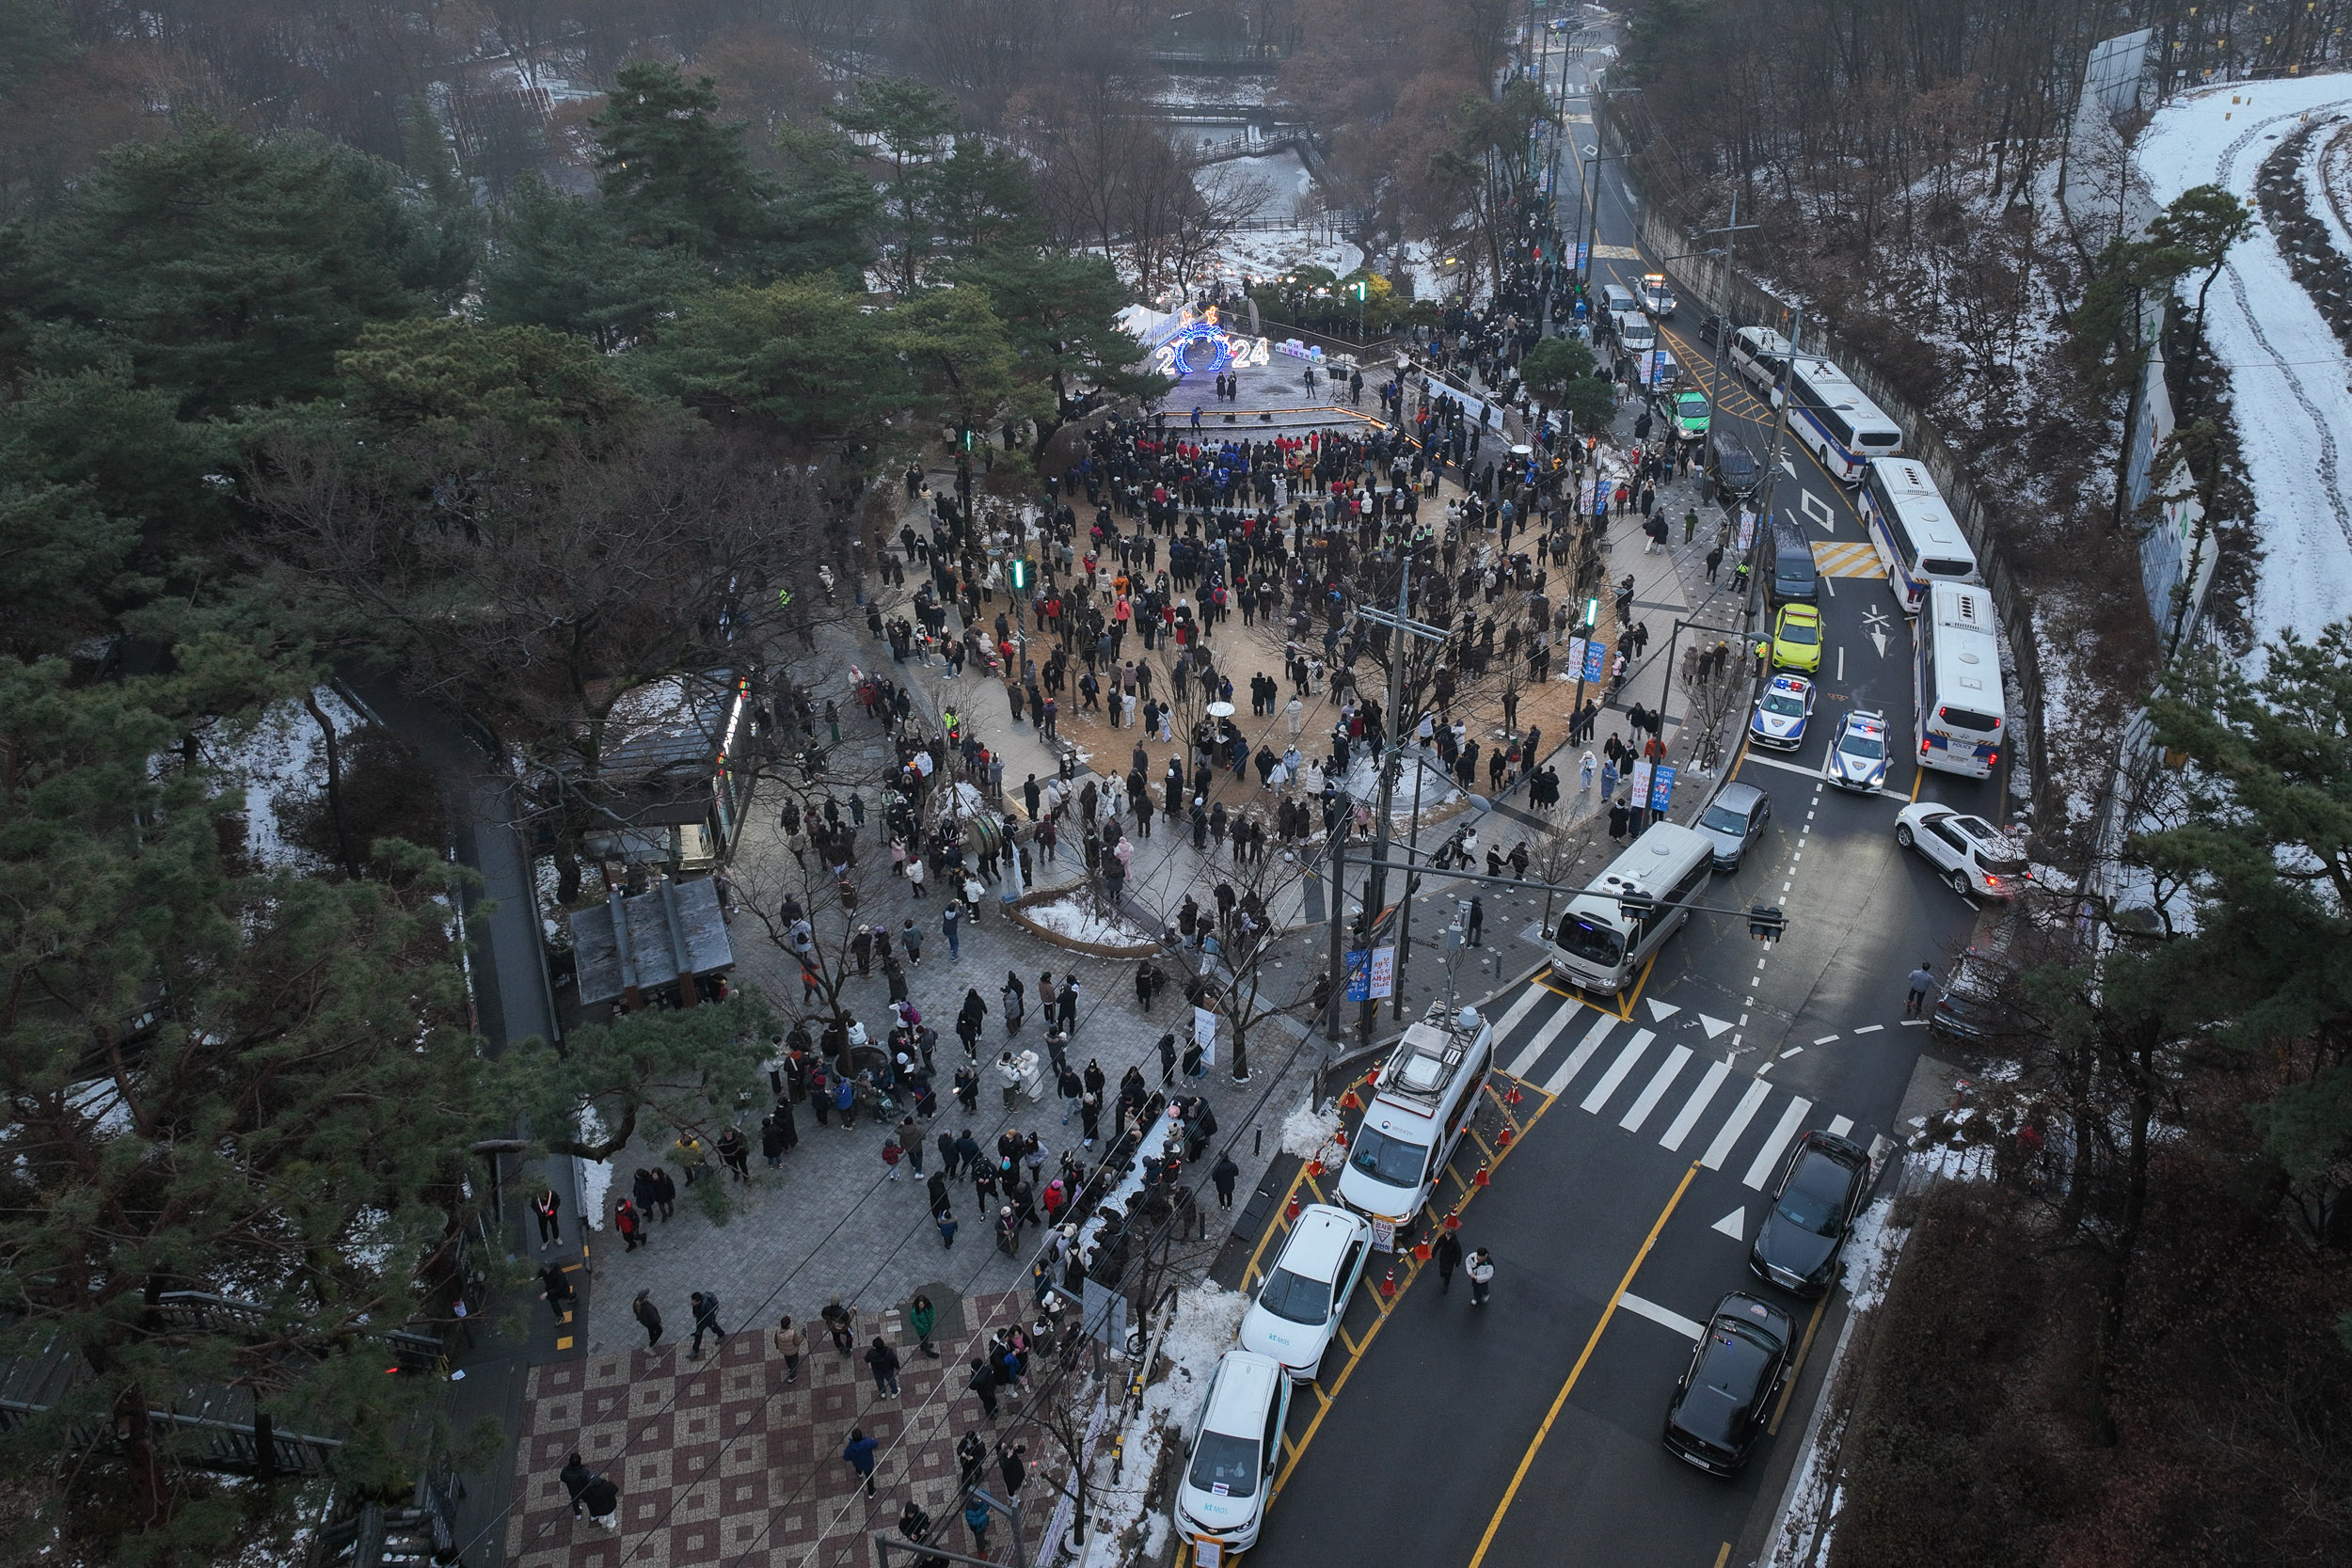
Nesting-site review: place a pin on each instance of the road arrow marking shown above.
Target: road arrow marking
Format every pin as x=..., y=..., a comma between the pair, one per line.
x=1734, y=1225
x=1713, y=1026
x=1818, y=509
x=1875, y=623
x=1661, y=1012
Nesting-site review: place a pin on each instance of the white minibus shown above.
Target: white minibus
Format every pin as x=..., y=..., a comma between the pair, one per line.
x=1600, y=943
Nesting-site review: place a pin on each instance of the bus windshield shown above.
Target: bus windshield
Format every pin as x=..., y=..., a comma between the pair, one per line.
x=1591, y=940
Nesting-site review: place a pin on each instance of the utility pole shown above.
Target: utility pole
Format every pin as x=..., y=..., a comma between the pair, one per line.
x=1730, y=232
x=1401, y=631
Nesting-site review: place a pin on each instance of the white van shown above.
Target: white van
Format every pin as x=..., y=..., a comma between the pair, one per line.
x=1229, y=1464
x=1616, y=299
x=1635, y=333
x=1759, y=356
x=1603, y=940
x=1422, y=1102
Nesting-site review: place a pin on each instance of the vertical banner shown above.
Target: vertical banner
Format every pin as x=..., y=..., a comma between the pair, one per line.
x=1204, y=1035
x=1358, y=975
x=1596, y=658
x=1383, y=984
x=1662, y=789
x=1640, y=781
x=1747, y=531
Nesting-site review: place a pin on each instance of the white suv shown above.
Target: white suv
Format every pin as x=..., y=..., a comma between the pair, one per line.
x=1229, y=1464
x=1978, y=859
x=1305, y=1294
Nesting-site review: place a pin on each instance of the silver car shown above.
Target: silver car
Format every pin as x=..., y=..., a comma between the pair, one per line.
x=1733, y=820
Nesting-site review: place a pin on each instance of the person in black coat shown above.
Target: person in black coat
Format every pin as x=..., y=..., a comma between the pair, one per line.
x=1448, y=1256
x=1168, y=1060
x=1222, y=1176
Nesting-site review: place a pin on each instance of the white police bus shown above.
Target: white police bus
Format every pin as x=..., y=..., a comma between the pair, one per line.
x=1917, y=535
x=1601, y=942
x=1844, y=428
x=1956, y=680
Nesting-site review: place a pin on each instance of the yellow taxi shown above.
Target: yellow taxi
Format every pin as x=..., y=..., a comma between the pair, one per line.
x=1797, y=638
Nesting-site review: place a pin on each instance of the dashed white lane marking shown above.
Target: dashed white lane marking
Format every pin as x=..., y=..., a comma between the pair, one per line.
x=1826, y=1039
x=1870, y=1029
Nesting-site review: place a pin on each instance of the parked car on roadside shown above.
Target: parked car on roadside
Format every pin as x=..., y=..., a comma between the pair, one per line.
x=1723, y=1403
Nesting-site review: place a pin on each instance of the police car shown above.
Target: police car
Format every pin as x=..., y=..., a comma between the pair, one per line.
x=1858, y=760
x=1781, y=713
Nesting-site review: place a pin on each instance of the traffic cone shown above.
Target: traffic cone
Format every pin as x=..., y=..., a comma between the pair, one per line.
x=1349, y=1103
x=1453, y=1218
x=1388, y=1284
x=1503, y=1139
x=1512, y=1096
x=1339, y=1138
x=1315, y=1167
x=1291, y=1211
x=1420, y=1248
x=1480, y=1179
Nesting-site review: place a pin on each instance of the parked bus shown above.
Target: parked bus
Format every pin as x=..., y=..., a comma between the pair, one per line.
x=1600, y=943
x=1844, y=428
x=1917, y=535
x=1956, y=680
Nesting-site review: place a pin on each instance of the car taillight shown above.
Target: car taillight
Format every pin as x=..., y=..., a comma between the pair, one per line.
x=1991, y=882
x=1992, y=759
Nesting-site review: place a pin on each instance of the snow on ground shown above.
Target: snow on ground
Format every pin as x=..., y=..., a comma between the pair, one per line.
x=1077, y=919
x=283, y=758
x=1208, y=1317
x=595, y=1175
x=1870, y=1254
x=1290, y=188
x=2289, y=376
x=1306, y=1130
x=1268, y=252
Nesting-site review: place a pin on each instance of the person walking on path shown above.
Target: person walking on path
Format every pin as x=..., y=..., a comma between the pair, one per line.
x=922, y=1317
x=593, y=1495
x=976, y=1511
x=1922, y=980
x=706, y=1303
x=884, y=1364
x=557, y=1287
x=945, y=1217
x=1013, y=1464
x=841, y=1323
x=1222, y=1176
x=950, y=920
x=971, y=1460
x=983, y=1383
x=575, y=1476
x=1479, y=1266
x=858, y=1453
x=546, y=1207
x=648, y=1315
x=791, y=1343
x=631, y=1224
x=1449, y=1255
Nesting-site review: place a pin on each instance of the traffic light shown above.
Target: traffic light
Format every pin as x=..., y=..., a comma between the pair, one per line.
x=1766, y=922
x=1633, y=906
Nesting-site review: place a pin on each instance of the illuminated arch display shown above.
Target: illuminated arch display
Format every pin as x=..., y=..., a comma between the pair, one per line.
x=1202, y=345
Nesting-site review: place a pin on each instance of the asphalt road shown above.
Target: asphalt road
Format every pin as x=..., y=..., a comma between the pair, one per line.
x=1528, y=1430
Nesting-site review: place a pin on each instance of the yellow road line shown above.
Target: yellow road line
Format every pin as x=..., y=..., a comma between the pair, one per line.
x=1413, y=1269
x=1560, y=1401
x=1725, y=1556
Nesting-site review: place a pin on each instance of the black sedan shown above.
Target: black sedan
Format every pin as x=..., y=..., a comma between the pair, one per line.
x=1812, y=1212
x=1725, y=1400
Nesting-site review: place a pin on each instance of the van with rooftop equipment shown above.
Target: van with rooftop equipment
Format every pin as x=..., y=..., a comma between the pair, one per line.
x=1422, y=1102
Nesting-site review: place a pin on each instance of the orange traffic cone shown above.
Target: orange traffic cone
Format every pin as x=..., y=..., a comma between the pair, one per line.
x=1315, y=1167
x=1512, y=1097
x=1480, y=1179
x=1453, y=1218
x=1339, y=1138
x=1420, y=1248
x=1503, y=1139
x=1291, y=1212
x=1388, y=1284
x=1349, y=1103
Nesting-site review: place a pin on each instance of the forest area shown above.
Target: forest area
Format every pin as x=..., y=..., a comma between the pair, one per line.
x=2131, y=1347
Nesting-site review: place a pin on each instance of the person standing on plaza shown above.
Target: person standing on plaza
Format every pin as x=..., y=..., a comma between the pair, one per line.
x=1222, y=1176
x=858, y=1453
x=922, y=1317
x=546, y=1207
x=791, y=1343
x=883, y=1362
x=841, y=1325
x=648, y=1316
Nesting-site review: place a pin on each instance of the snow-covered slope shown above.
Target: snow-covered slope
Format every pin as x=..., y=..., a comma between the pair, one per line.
x=2290, y=380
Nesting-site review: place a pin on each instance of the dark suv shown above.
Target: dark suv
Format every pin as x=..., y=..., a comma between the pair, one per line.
x=1812, y=1212
x=1725, y=1400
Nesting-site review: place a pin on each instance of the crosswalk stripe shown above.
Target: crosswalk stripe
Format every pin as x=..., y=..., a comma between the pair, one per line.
x=1742, y=1114
x=1617, y=1070
x=1650, y=1096
x=1768, y=1156
x=1582, y=1054
x=1840, y=1126
x=1524, y=1063
x=1529, y=996
x=1696, y=1106
x=1664, y=1316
